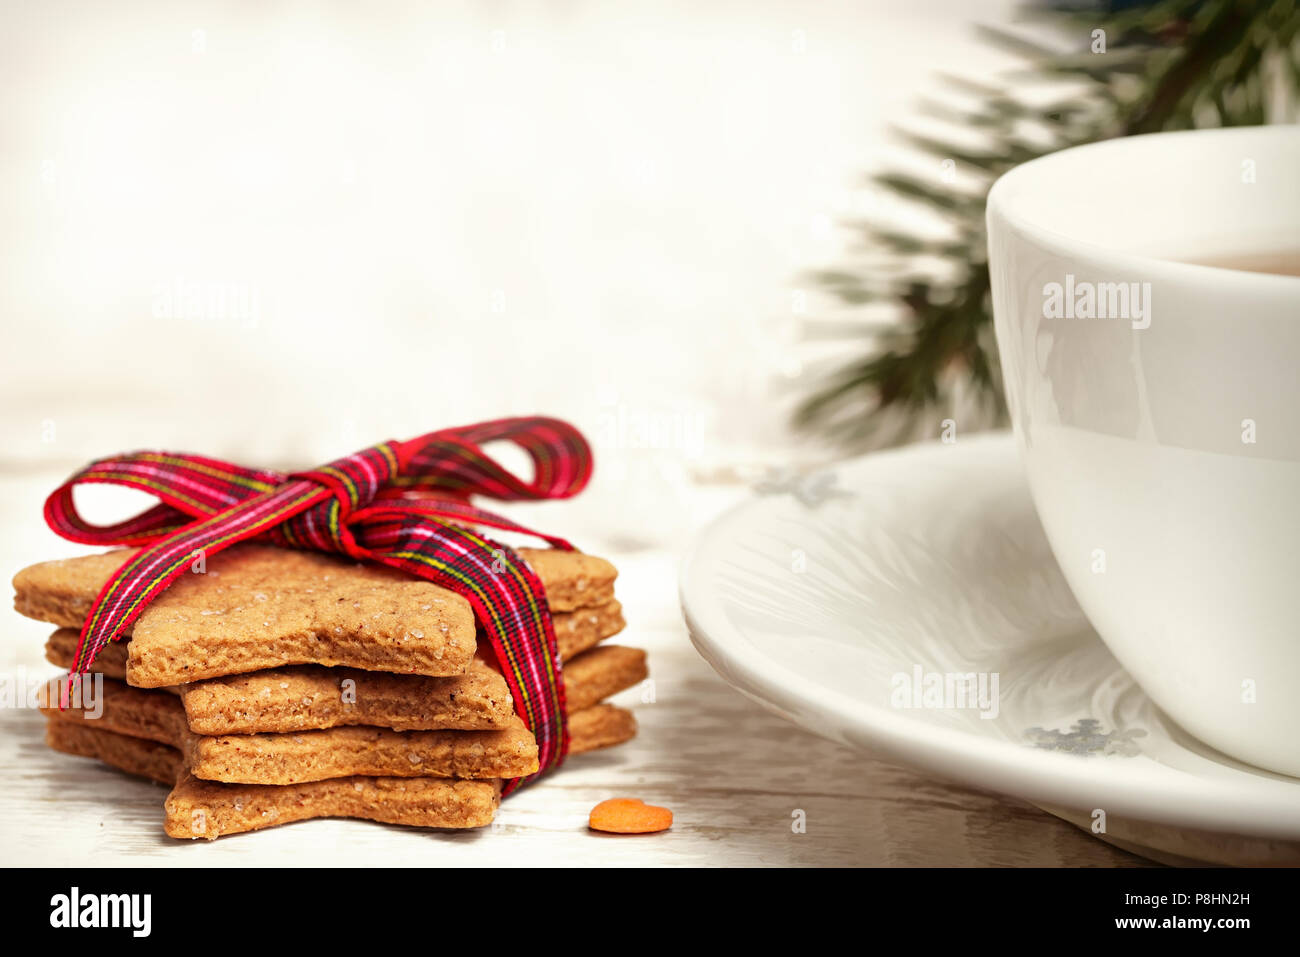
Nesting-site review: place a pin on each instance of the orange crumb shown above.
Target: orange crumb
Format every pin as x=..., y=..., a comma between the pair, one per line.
x=629, y=816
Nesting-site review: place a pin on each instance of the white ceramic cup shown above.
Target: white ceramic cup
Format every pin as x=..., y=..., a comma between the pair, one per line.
x=1160, y=427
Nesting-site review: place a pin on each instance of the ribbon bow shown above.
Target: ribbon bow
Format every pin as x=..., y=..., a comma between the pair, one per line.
x=402, y=504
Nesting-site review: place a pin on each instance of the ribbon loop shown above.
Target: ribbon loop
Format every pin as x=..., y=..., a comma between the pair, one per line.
x=453, y=461
x=189, y=487
x=402, y=504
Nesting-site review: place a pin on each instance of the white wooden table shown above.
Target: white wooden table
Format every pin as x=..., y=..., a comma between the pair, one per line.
x=733, y=775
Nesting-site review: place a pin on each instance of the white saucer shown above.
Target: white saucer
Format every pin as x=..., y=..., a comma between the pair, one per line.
x=813, y=596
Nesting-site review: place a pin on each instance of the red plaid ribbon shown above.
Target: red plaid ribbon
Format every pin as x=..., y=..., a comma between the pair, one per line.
x=402, y=504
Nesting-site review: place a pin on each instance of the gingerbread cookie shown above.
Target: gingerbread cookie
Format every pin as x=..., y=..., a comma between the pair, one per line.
x=261, y=607
x=146, y=759
x=335, y=752
x=256, y=607
x=572, y=579
x=203, y=809
x=307, y=697
x=602, y=726
x=596, y=674
x=343, y=752
x=310, y=698
x=594, y=728
x=576, y=631
x=309, y=755
x=152, y=715
x=61, y=650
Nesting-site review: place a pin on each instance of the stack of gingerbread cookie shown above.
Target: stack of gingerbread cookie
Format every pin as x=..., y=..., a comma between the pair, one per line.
x=274, y=685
